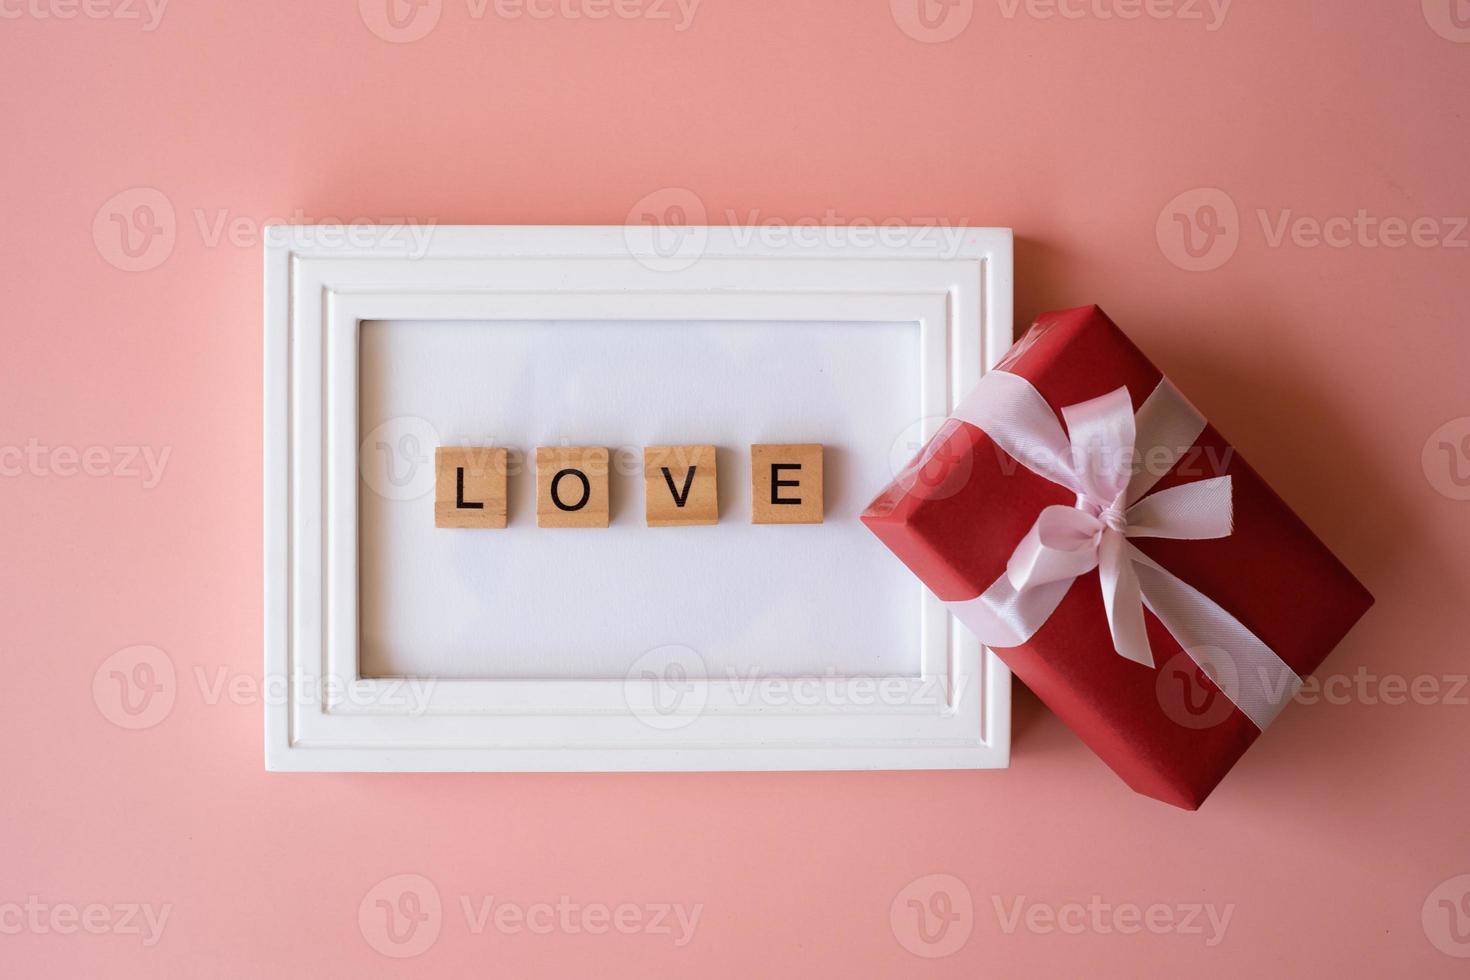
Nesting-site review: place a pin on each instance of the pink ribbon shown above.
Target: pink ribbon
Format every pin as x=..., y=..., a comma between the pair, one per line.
x=1097, y=459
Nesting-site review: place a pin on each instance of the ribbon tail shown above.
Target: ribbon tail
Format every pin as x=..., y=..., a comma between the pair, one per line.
x=1246, y=670
x=1192, y=511
x=1123, y=600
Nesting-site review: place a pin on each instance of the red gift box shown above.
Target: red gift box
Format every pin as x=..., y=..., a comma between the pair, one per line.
x=1173, y=729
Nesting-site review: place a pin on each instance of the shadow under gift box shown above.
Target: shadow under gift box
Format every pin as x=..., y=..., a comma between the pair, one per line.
x=959, y=510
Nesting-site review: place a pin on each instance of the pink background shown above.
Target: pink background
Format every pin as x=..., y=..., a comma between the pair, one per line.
x=1333, y=368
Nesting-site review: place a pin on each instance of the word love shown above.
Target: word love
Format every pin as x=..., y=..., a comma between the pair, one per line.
x=680, y=486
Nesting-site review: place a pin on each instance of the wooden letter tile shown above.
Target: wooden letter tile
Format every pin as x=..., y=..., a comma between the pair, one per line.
x=571, y=486
x=469, y=486
x=786, y=484
x=679, y=486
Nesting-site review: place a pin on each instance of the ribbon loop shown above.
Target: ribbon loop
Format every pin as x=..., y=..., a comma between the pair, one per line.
x=1101, y=434
x=1060, y=546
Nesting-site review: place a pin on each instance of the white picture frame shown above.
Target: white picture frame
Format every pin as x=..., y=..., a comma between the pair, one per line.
x=322, y=283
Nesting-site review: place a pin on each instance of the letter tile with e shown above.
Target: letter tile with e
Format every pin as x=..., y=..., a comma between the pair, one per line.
x=786, y=484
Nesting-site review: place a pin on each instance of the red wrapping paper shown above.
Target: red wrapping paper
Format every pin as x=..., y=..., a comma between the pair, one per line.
x=959, y=510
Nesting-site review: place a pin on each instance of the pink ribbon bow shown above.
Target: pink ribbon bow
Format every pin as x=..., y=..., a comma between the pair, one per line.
x=1096, y=458
x=1066, y=542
